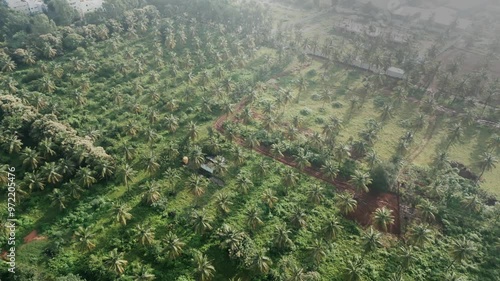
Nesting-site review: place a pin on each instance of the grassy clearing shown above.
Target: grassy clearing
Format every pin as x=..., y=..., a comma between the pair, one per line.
x=465, y=152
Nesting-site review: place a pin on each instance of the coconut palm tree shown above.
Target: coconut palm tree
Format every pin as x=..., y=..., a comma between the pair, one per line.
x=487, y=163
x=216, y=147
x=252, y=141
x=106, y=169
x=196, y=156
x=243, y=182
x=9, y=65
x=144, y=234
x=298, y=217
x=452, y=276
x=85, y=238
x=372, y=159
x=454, y=135
x=268, y=198
x=39, y=101
x=318, y=250
x=261, y=262
x=193, y=131
x=151, y=193
x=346, y=202
x=370, y=241
x=427, y=211
x=361, y=180
x=277, y=149
x=72, y=189
x=262, y=169
x=330, y=169
x=122, y=213
x=47, y=85
x=386, y=112
x=331, y=228
x=172, y=123
x=297, y=273
x=472, y=203
x=343, y=152
x=151, y=136
x=115, y=262
x=204, y=270
x=51, y=172
x=29, y=58
x=441, y=160
x=34, y=181
x=239, y=156
x=281, y=239
x=86, y=177
x=302, y=159
x=143, y=274
x=315, y=194
x=11, y=85
x=406, y=256
x=289, y=179
x=419, y=234
x=172, y=105
x=353, y=105
x=396, y=277
x=301, y=84
x=360, y=148
x=253, y=219
x=12, y=144
x=231, y=240
x=30, y=158
x=382, y=218
x=220, y=165
x=201, y=221
x=223, y=202
x=152, y=165
x=127, y=174
x=461, y=249
x=172, y=246
x=493, y=143
x=58, y=198
x=354, y=269
x=197, y=184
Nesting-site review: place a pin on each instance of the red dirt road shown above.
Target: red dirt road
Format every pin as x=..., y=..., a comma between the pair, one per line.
x=32, y=236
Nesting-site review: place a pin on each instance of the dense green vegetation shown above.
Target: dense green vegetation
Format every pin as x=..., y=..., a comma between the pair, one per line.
x=96, y=118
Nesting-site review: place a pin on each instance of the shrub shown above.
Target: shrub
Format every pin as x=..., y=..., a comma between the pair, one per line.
x=315, y=97
x=380, y=180
x=319, y=120
x=379, y=101
x=347, y=169
x=337, y=104
x=311, y=73
x=305, y=111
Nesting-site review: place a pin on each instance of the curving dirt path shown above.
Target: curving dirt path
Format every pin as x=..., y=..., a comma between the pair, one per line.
x=367, y=202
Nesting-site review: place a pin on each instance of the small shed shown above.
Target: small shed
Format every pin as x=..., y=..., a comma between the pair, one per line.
x=395, y=72
x=207, y=169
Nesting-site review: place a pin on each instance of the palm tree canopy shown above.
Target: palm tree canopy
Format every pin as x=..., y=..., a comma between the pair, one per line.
x=203, y=267
x=371, y=240
x=115, y=262
x=361, y=180
x=383, y=218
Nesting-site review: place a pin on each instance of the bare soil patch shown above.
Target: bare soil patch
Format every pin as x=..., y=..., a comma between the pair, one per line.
x=33, y=236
